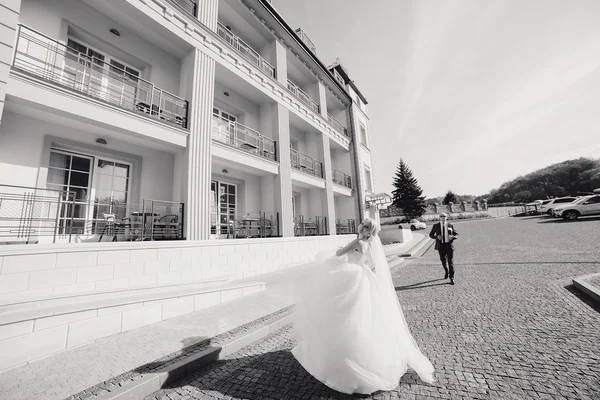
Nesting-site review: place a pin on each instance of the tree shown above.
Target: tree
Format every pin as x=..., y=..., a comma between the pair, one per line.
x=407, y=194
x=450, y=198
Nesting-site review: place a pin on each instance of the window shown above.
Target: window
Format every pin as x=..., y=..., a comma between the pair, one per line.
x=111, y=79
x=368, y=180
x=567, y=200
x=363, y=134
x=593, y=200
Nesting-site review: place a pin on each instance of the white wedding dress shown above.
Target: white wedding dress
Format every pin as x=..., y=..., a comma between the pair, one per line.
x=350, y=330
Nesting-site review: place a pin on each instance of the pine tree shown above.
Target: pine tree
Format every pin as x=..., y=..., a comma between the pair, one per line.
x=407, y=194
x=450, y=198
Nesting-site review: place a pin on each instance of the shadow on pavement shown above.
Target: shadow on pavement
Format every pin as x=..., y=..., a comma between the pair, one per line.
x=595, y=306
x=565, y=221
x=422, y=285
x=272, y=375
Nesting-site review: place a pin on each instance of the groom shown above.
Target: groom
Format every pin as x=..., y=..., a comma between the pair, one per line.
x=444, y=234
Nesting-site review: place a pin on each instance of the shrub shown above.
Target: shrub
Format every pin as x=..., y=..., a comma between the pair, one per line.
x=455, y=216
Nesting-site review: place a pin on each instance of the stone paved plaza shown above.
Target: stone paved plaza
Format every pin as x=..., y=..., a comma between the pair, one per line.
x=511, y=328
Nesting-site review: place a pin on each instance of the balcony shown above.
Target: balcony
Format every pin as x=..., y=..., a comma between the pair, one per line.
x=241, y=137
x=38, y=215
x=306, y=164
x=338, y=77
x=232, y=225
x=337, y=125
x=189, y=6
x=342, y=179
x=248, y=52
x=299, y=93
x=45, y=58
x=345, y=226
x=303, y=227
x=304, y=37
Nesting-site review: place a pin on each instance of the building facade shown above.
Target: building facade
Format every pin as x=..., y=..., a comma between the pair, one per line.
x=129, y=125
x=169, y=119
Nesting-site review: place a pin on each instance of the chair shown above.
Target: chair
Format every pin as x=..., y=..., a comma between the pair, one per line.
x=113, y=225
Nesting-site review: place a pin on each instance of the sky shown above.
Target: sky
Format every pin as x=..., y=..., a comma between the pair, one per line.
x=469, y=93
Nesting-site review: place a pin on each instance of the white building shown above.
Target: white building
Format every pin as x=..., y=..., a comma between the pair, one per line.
x=141, y=121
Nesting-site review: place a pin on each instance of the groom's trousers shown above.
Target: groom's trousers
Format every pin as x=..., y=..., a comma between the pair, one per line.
x=446, y=251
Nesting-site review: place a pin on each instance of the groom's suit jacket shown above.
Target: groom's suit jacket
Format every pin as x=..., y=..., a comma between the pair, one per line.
x=437, y=230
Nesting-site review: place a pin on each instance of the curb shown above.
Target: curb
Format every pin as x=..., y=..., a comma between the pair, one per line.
x=586, y=288
x=150, y=383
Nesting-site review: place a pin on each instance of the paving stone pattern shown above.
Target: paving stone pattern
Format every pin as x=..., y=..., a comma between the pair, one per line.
x=511, y=328
x=125, y=378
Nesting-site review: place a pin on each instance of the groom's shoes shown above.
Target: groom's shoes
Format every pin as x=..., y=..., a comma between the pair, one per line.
x=452, y=281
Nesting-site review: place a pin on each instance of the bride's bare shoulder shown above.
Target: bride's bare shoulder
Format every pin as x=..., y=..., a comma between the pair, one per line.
x=362, y=245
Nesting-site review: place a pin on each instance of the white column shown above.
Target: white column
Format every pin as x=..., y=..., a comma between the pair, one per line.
x=283, y=182
x=322, y=99
x=328, y=200
x=281, y=63
x=208, y=11
x=357, y=167
x=196, y=163
x=9, y=17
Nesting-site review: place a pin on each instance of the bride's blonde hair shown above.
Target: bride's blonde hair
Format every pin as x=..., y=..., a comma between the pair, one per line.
x=371, y=226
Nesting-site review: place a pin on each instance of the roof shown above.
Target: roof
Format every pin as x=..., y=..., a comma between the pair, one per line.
x=344, y=73
x=267, y=4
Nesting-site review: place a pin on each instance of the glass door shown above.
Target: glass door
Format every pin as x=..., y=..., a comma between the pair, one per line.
x=72, y=175
x=223, y=207
x=111, y=189
x=108, y=78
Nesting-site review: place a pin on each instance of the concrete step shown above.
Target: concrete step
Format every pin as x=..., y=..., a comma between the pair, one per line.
x=31, y=331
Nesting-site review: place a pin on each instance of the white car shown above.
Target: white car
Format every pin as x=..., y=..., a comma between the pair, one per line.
x=584, y=206
x=416, y=225
x=548, y=205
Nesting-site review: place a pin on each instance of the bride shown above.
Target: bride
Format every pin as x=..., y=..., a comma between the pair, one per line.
x=349, y=327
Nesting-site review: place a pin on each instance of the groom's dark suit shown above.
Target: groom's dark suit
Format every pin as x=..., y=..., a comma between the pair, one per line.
x=445, y=247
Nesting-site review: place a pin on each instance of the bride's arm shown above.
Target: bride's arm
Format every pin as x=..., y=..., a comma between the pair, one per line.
x=349, y=247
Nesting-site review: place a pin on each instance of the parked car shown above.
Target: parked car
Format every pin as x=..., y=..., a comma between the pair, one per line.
x=584, y=206
x=416, y=225
x=548, y=205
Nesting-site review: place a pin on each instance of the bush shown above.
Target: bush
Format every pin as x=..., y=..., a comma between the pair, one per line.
x=455, y=216
x=396, y=221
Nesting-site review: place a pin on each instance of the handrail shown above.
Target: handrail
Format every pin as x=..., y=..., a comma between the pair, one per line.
x=301, y=94
x=341, y=178
x=337, y=124
x=44, y=57
x=304, y=37
x=242, y=137
x=244, y=49
x=307, y=164
x=189, y=6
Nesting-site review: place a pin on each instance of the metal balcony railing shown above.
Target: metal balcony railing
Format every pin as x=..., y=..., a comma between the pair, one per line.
x=337, y=124
x=299, y=93
x=338, y=77
x=304, y=37
x=345, y=226
x=310, y=227
x=232, y=225
x=245, y=50
x=306, y=164
x=241, y=137
x=33, y=215
x=43, y=57
x=189, y=6
x=341, y=178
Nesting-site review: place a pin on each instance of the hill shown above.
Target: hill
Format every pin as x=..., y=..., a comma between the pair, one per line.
x=561, y=179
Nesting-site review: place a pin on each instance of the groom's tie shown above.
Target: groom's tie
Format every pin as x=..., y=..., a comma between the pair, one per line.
x=444, y=230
